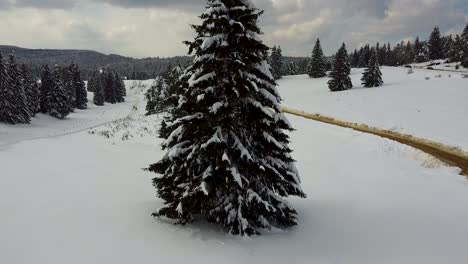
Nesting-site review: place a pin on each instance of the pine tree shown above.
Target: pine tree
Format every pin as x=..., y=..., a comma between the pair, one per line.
x=464, y=47
x=340, y=79
x=81, y=95
x=69, y=86
x=46, y=86
x=277, y=63
x=59, y=97
x=110, y=89
x=292, y=68
x=13, y=101
x=120, y=88
x=317, y=67
x=420, y=51
x=32, y=91
x=372, y=76
x=154, y=97
x=98, y=87
x=435, y=45
x=227, y=157
x=91, y=87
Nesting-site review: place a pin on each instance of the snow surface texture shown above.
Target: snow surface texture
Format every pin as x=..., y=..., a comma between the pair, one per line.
x=435, y=109
x=378, y=205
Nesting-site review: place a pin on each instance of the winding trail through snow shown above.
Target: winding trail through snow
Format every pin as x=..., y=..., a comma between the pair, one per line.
x=449, y=155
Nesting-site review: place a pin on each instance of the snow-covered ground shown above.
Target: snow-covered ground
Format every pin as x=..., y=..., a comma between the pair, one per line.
x=84, y=198
x=44, y=126
x=436, y=108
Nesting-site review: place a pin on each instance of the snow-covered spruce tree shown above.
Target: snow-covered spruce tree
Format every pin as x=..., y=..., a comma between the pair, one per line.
x=155, y=96
x=277, y=63
x=46, y=86
x=435, y=45
x=372, y=76
x=110, y=89
x=121, y=92
x=292, y=68
x=339, y=75
x=317, y=65
x=68, y=85
x=59, y=97
x=228, y=158
x=81, y=95
x=13, y=101
x=98, y=87
x=32, y=91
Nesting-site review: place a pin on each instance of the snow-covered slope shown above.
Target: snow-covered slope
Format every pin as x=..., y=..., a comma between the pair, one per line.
x=84, y=198
x=436, y=108
x=44, y=126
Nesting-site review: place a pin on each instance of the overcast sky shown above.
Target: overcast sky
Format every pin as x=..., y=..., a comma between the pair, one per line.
x=150, y=28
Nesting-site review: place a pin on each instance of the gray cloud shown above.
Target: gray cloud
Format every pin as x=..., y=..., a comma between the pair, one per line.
x=157, y=27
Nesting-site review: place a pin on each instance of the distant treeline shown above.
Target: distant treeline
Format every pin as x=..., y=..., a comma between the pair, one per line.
x=90, y=61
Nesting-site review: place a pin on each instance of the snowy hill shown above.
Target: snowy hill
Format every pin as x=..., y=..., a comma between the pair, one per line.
x=429, y=104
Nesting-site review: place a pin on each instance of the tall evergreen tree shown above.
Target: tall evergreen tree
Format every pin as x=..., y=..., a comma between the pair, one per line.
x=81, y=95
x=155, y=96
x=98, y=87
x=69, y=86
x=32, y=91
x=292, y=68
x=228, y=158
x=110, y=89
x=419, y=51
x=13, y=101
x=59, y=97
x=47, y=84
x=277, y=63
x=317, y=67
x=435, y=45
x=372, y=76
x=340, y=79
x=120, y=88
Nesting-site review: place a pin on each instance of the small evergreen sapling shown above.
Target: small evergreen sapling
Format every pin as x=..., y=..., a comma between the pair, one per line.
x=340, y=80
x=372, y=76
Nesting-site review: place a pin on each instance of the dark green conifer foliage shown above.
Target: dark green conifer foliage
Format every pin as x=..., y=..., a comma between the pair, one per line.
x=45, y=88
x=317, y=66
x=228, y=158
x=121, y=92
x=98, y=87
x=59, y=97
x=339, y=75
x=277, y=63
x=81, y=95
x=110, y=88
x=372, y=76
x=32, y=91
x=13, y=101
x=435, y=45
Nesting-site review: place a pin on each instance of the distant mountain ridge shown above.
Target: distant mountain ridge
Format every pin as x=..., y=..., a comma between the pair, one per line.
x=90, y=61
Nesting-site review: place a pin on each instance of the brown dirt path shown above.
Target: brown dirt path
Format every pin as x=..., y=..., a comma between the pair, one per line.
x=450, y=155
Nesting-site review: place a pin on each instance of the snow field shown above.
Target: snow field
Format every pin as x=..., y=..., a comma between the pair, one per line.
x=435, y=109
